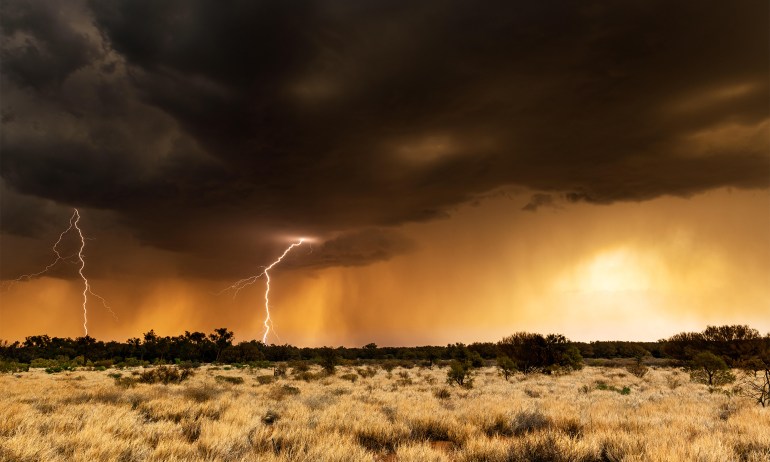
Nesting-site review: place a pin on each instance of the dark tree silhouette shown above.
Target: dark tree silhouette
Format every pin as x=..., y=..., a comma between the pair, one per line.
x=222, y=338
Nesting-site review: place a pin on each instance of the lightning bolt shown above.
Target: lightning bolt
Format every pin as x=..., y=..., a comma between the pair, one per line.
x=27, y=277
x=238, y=285
x=74, y=220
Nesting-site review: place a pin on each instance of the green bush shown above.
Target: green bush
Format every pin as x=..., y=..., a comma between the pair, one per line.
x=42, y=363
x=329, y=360
x=506, y=366
x=13, y=366
x=260, y=364
x=460, y=373
x=189, y=365
x=132, y=362
x=710, y=369
x=59, y=368
x=601, y=385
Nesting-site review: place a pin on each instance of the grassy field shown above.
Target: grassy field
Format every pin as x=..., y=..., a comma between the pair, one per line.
x=597, y=414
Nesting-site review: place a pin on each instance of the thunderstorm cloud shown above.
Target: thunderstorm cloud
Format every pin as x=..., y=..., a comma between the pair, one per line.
x=214, y=128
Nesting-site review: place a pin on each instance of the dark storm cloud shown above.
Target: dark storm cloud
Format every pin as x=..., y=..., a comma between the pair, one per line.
x=192, y=119
x=356, y=248
x=22, y=215
x=539, y=200
x=41, y=48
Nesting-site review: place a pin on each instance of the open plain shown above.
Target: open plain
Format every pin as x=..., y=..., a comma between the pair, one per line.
x=596, y=414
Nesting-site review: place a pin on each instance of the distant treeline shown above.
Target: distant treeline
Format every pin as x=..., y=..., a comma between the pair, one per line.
x=732, y=343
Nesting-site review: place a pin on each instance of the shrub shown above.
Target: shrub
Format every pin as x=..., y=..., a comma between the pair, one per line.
x=431, y=429
x=189, y=365
x=538, y=353
x=42, y=363
x=298, y=367
x=265, y=379
x=546, y=448
x=638, y=369
x=625, y=391
x=132, y=362
x=388, y=365
x=56, y=369
x=229, y=379
x=270, y=417
x=710, y=369
x=755, y=381
x=404, y=378
x=442, y=393
x=497, y=425
x=532, y=393
x=262, y=364
x=191, y=430
x=329, y=360
x=366, y=372
x=165, y=375
x=125, y=382
x=601, y=385
x=529, y=421
x=13, y=367
x=201, y=393
x=506, y=366
x=280, y=392
x=308, y=376
x=570, y=426
x=376, y=440
x=460, y=373
x=673, y=381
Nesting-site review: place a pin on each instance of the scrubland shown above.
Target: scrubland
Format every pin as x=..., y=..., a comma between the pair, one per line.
x=596, y=414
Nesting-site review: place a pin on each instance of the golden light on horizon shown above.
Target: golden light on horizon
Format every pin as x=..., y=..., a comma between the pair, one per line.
x=616, y=270
x=669, y=265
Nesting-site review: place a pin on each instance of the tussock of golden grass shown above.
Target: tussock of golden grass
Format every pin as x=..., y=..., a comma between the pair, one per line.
x=85, y=416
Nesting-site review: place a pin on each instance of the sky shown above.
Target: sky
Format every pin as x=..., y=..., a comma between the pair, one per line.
x=461, y=171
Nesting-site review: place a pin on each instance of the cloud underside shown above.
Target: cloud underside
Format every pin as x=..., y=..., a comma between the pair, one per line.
x=342, y=119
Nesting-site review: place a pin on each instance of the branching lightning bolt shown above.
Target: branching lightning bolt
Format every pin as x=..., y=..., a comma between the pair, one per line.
x=27, y=277
x=238, y=285
x=74, y=220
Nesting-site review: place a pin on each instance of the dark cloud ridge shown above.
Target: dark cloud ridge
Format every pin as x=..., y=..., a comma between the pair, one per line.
x=193, y=118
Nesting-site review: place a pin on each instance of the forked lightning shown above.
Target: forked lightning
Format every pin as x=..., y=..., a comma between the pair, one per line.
x=74, y=220
x=252, y=279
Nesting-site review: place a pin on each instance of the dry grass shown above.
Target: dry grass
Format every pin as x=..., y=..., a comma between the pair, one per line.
x=85, y=416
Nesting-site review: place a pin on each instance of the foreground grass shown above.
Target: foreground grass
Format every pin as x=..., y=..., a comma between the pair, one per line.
x=598, y=414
